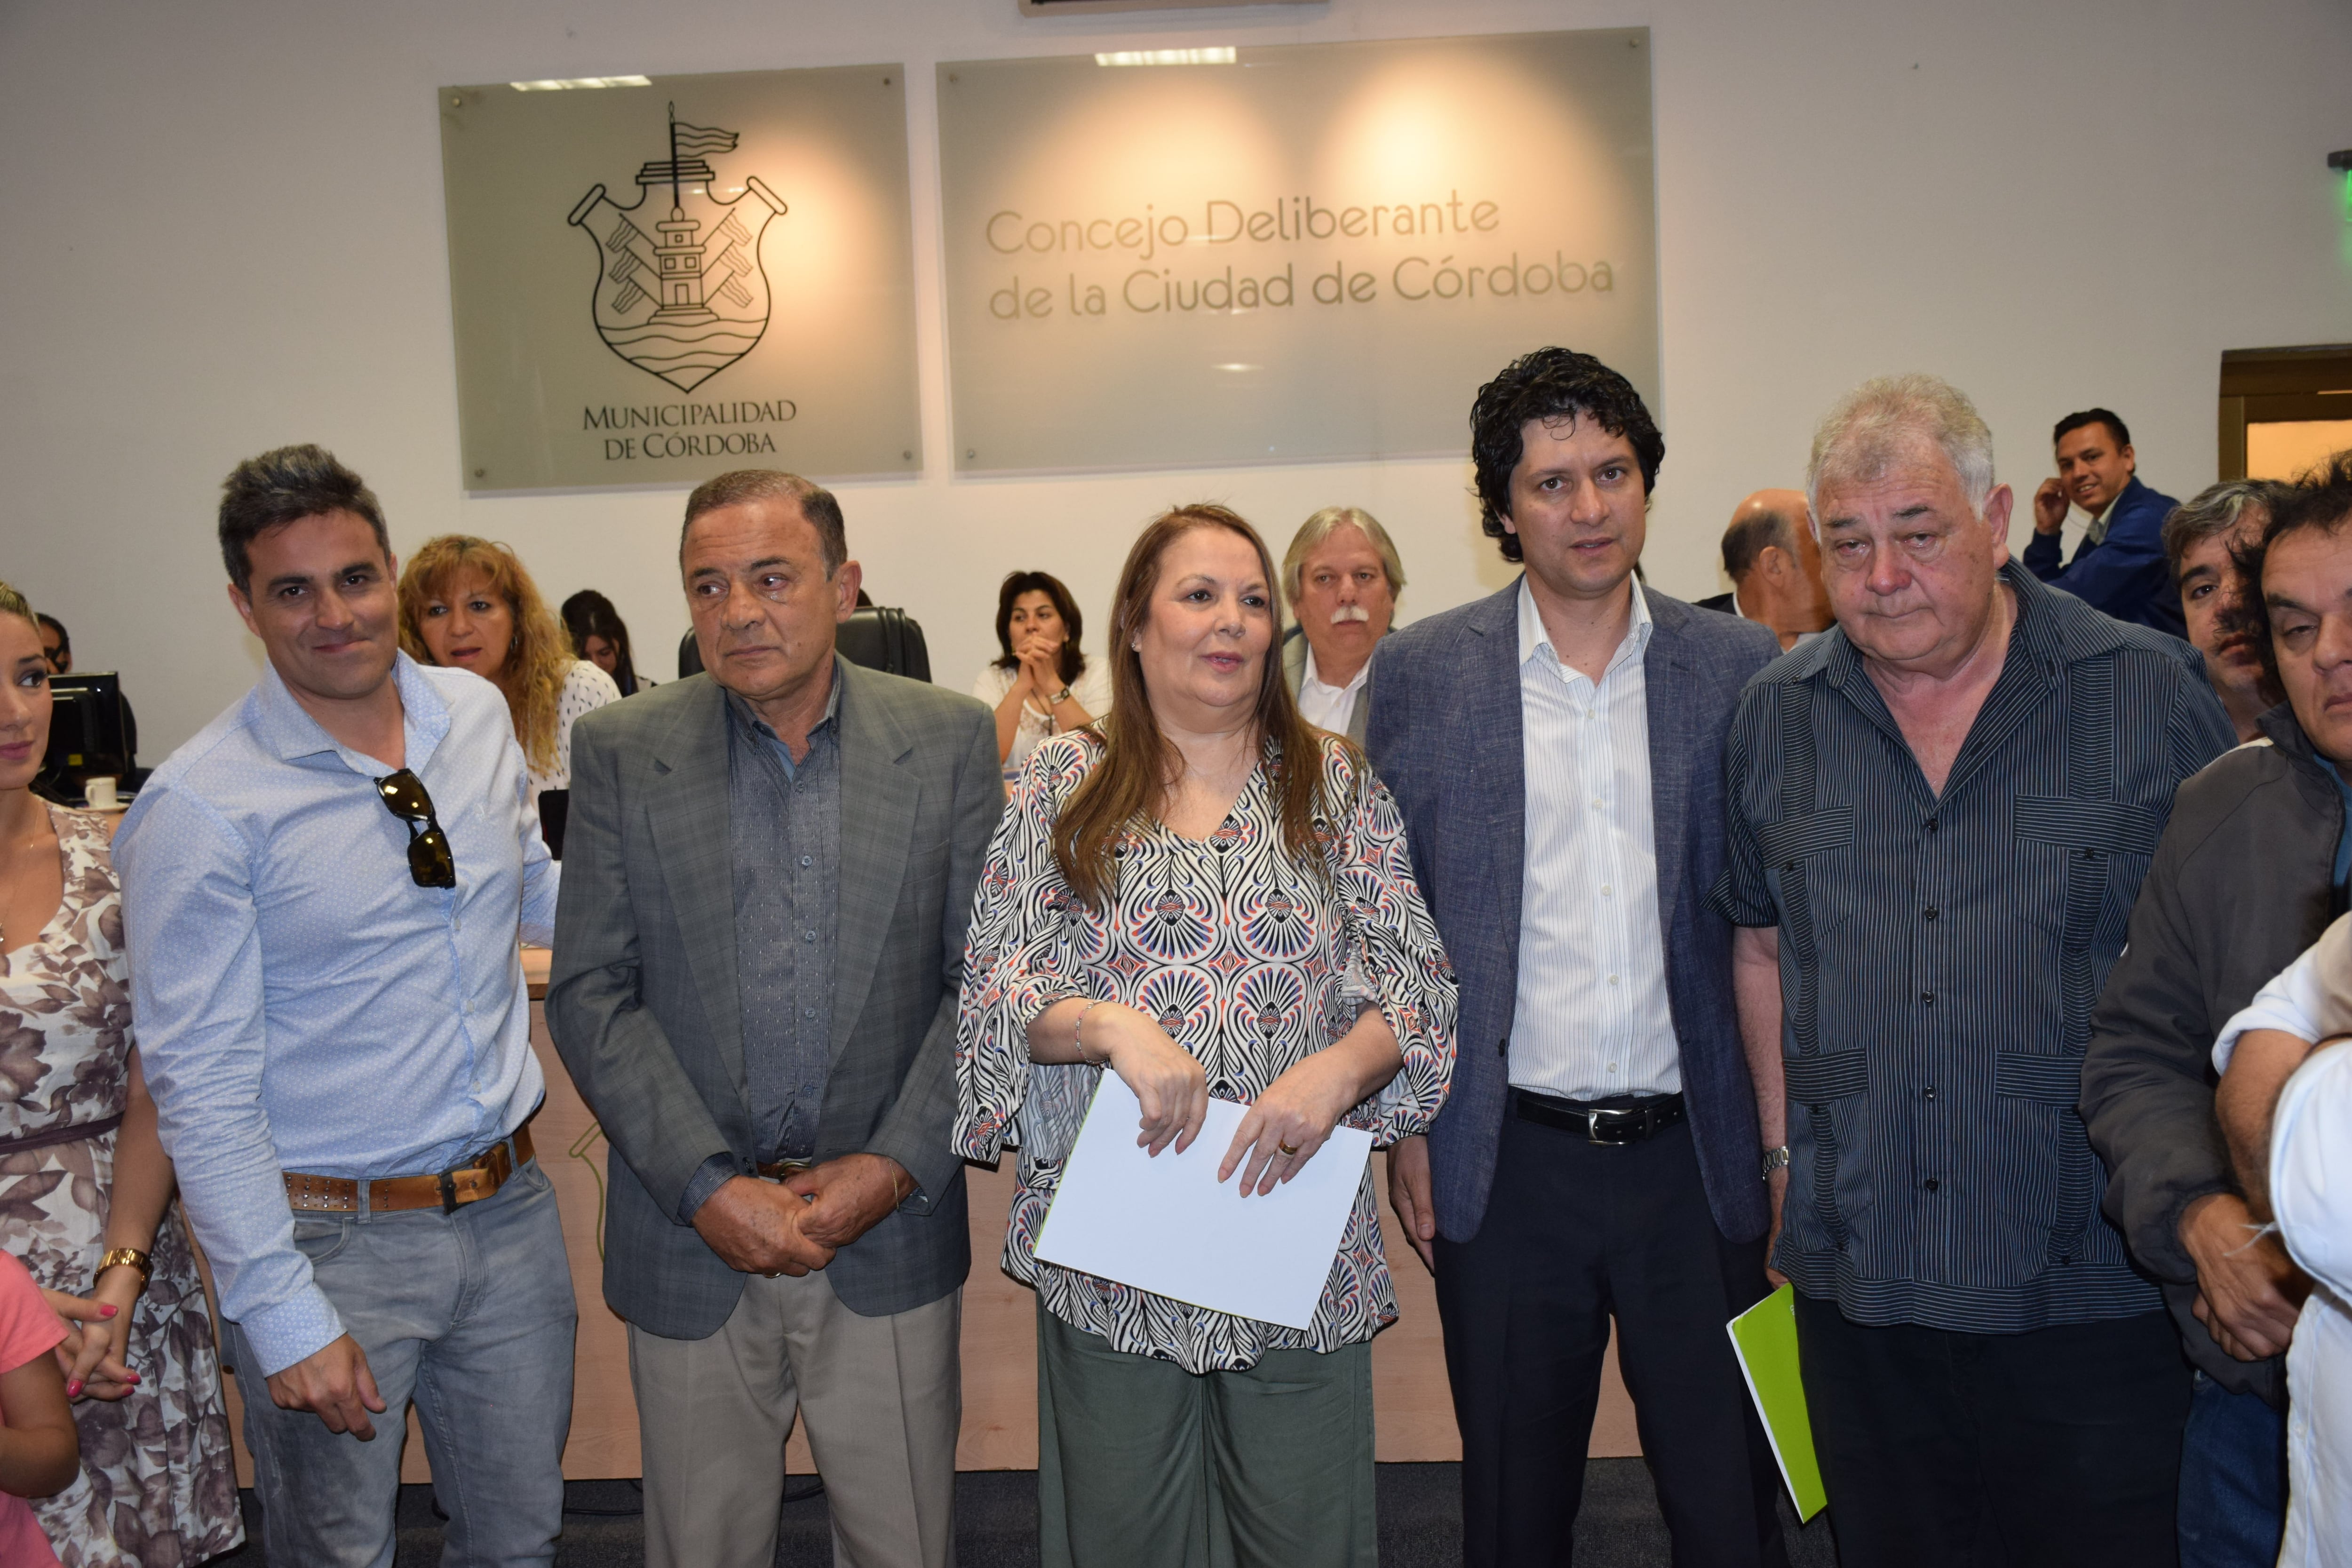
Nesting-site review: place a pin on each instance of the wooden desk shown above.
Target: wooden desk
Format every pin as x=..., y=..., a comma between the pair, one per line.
x=1413, y=1409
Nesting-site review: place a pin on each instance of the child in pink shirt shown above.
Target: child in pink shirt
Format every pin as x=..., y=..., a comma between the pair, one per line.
x=40, y=1453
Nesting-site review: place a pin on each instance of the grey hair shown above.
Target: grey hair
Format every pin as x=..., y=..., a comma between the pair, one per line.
x=816, y=504
x=1322, y=526
x=2216, y=510
x=1870, y=429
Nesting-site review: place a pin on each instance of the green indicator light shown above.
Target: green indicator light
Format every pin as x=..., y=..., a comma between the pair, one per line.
x=2342, y=162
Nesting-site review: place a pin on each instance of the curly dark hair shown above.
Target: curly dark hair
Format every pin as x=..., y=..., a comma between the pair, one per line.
x=2320, y=499
x=1547, y=385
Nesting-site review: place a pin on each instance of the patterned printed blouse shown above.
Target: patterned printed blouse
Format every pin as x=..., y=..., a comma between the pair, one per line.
x=1250, y=963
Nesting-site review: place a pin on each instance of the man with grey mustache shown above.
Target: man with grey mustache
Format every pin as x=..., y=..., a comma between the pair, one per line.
x=1342, y=576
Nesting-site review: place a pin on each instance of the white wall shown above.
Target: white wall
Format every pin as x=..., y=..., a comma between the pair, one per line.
x=225, y=233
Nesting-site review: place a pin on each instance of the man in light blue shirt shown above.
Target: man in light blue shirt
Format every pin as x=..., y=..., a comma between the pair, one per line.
x=323, y=892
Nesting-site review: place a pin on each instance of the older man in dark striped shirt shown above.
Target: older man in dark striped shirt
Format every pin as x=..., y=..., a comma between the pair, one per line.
x=1944, y=808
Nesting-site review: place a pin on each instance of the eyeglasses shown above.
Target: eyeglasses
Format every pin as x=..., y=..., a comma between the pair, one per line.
x=430, y=864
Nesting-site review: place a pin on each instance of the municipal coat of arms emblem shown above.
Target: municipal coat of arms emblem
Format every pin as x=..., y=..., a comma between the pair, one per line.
x=689, y=299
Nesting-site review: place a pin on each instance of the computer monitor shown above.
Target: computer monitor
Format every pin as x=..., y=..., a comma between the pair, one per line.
x=88, y=734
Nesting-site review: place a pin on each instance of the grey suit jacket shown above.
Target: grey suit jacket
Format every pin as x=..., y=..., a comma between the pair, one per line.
x=1446, y=740
x=641, y=996
x=1294, y=670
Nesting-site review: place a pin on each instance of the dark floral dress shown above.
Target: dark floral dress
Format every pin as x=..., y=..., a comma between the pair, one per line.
x=158, y=1484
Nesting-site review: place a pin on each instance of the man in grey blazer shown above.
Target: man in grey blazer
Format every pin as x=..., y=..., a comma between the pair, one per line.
x=1556, y=750
x=1342, y=576
x=769, y=868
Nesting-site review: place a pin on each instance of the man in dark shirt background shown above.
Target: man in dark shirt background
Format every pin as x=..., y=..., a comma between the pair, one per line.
x=1775, y=567
x=1943, y=808
x=2120, y=566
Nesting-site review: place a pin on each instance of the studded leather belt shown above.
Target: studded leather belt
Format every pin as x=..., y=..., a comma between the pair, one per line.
x=446, y=1190
x=1600, y=1124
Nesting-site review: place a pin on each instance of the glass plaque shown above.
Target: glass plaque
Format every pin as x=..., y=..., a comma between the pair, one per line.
x=656, y=279
x=1159, y=258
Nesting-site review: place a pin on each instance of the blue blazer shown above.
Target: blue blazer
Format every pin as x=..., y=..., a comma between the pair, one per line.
x=2127, y=575
x=1444, y=735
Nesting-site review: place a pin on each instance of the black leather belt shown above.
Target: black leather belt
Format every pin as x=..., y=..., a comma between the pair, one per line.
x=1600, y=1123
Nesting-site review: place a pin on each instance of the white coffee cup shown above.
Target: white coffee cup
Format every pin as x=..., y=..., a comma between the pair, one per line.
x=98, y=794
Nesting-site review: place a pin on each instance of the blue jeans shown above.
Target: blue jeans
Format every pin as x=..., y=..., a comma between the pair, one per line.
x=469, y=1315
x=2232, y=1480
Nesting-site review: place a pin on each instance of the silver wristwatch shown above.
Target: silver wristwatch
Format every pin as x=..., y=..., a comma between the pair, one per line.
x=1774, y=1160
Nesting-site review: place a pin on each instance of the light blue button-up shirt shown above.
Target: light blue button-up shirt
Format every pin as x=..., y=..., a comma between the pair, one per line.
x=300, y=1003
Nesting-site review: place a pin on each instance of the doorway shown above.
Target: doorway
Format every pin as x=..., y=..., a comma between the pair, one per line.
x=2283, y=411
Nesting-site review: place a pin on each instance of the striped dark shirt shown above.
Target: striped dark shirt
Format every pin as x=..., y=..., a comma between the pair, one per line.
x=1940, y=958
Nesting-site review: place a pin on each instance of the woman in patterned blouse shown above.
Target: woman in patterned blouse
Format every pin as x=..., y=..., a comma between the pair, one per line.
x=1210, y=897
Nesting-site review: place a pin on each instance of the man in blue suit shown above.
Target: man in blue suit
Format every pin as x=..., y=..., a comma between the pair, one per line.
x=1556, y=750
x=2120, y=566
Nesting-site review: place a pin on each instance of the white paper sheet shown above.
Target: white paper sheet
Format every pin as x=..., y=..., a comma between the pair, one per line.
x=1165, y=1224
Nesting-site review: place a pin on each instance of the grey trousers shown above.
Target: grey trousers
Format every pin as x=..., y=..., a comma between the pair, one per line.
x=468, y=1315
x=885, y=1401
x=1141, y=1464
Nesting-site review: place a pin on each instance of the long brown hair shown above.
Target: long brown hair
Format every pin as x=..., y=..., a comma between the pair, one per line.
x=540, y=657
x=1140, y=763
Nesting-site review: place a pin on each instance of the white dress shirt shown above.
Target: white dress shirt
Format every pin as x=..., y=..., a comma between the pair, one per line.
x=1592, y=1019
x=2311, y=1176
x=1329, y=707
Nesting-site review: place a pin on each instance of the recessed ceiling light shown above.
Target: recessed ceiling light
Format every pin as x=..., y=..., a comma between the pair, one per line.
x=564, y=84
x=1223, y=55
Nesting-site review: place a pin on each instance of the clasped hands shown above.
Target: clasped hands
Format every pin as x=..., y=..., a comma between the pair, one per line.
x=795, y=1225
x=1041, y=663
x=2249, y=1291
x=1278, y=1134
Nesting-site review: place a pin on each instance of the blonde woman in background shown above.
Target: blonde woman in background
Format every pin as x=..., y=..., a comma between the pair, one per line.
x=467, y=604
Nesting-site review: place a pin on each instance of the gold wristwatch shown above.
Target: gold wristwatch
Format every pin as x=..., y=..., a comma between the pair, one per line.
x=128, y=1257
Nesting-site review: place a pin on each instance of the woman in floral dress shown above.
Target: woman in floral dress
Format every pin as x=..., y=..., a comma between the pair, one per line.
x=1212, y=899
x=83, y=1178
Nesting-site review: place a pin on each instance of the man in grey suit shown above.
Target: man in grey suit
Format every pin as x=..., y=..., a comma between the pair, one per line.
x=1342, y=575
x=1557, y=751
x=769, y=868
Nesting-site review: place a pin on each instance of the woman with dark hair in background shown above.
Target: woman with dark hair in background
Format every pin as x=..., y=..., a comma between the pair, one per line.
x=599, y=636
x=1043, y=686
x=89, y=1208
x=467, y=604
x=1202, y=894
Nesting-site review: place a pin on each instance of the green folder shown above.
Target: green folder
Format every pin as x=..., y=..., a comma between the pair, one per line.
x=1764, y=1338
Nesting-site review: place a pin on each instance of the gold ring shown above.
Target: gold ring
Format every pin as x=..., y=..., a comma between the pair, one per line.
x=1289, y=1150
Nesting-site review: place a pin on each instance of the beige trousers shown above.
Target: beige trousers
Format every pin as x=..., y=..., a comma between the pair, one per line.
x=884, y=1398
